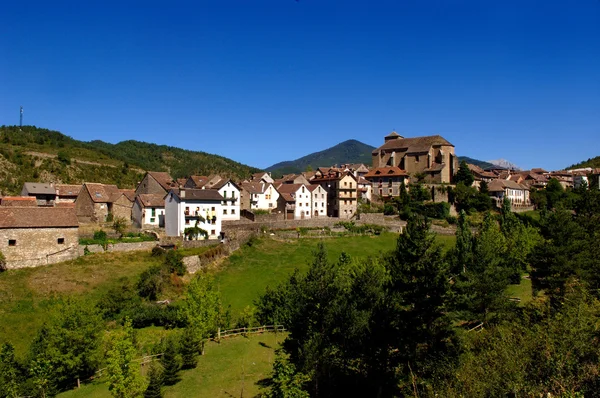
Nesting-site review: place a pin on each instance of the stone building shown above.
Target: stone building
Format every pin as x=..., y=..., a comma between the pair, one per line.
x=386, y=181
x=432, y=156
x=149, y=211
x=33, y=236
x=96, y=201
x=67, y=193
x=45, y=194
x=156, y=182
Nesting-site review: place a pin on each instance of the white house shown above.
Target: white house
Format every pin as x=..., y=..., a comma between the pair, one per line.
x=259, y=196
x=319, y=201
x=517, y=194
x=186, y=208
x=149, y=211
x=231, y=199
x=295, y=200
x=263, y=177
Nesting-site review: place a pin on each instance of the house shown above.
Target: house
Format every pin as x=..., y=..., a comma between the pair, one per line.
x=295, y=201
x=387, y=181
x=122, y=204
x=258, y=195
x=95, y=202
x=18, y=201
x=231, y=193
x=432, y=156
x=292, y=179
x=365, y=190
x=149, y=211
x=45, y=194
x=480, y=175
x=188, y=208
x=517, y=194
x=195, y=182
x=155, y=182
x=33, y=236
x=341, y=188
x=319, y=201
x=262, y=176
x=67, y=193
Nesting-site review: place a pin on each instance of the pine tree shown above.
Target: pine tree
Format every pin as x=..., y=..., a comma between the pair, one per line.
x=464, y=175
x=155, y=382
x=189, y=347
x=170, y=363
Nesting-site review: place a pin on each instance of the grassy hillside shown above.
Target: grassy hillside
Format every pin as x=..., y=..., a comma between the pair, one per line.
x=37, y=154
x=593, y=163
x=350, y=151
x=481, y=163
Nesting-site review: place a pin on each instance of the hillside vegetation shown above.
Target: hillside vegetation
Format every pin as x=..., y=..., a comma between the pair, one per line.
x=351, y=151
x=592, y=162
x=37, y=154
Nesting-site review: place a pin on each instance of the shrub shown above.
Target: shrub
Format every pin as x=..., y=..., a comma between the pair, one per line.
x=100, y=235
x=150, y=283
x=452, y=220
x=2, y=262
x=158, y=251
x=63, y=157
x=174, y=263
x=389, y=209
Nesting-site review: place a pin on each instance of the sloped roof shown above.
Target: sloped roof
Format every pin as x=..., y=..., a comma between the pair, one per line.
x=19, y=201
x=151, y=200
x=255, y=187
x=38, y=217
x=197, y=194
x=129, y=193
x=391, y=171
x=289, y=188
x=222, y=182
x=413, y=145
x=68, y=190
x=198, y=181
x=163, y=178
x=39, y=188
x=501, y=185
x=102, y=193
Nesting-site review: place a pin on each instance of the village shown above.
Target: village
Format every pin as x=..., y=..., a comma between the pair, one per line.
x=42, y=225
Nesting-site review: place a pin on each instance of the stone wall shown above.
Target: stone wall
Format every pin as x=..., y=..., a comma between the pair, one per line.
x=371, y=218
x=118, y=247
x=31, y=247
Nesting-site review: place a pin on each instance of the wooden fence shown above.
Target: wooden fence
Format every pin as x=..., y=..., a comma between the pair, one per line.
x=221, y=334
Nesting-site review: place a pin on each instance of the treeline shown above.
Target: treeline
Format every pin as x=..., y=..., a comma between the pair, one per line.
x=419, y=321
x=83, y=339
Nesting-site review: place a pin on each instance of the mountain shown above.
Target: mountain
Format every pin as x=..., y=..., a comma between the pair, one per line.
x=593, y=163
x=480, y=163
x=351, y=151
x=504, y=163
x=37, y=154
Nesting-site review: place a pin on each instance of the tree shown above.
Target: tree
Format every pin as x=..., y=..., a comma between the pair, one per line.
x=193, y=233
x=464, y=175
x=464, y=242
x=483, y=188
x=155, y=382
x=10, y=374
x=286, y=382
x=170, y=363
x=41, y=374
x=119, y=225
x=69, y=341
x=63, y=157
x=201, y=305
x=189, y=344
x=124, y=379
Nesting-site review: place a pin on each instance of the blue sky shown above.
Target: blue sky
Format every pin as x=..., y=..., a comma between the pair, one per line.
x=266, y=81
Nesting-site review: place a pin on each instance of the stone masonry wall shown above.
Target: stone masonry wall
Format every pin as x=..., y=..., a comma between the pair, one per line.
x=38, y=246
x=118, y=247
x=372, y=218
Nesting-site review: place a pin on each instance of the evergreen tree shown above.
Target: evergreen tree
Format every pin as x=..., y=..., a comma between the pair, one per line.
x=170, y=363
x=483, y=188
x=10, y=374
x=189, y=347
x=464, y=242
x=464, y=175
x=155, y=382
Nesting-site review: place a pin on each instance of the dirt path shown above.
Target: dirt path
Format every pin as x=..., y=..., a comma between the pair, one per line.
x=75, y=160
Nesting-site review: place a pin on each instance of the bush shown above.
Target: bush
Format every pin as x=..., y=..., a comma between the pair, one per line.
x=174, y=263
x=100, y=235
x=158, y=251
x=2, y=262
x=439, y=210
x=389, y=209
x=452, y=220
x=150, y=283
x=63, y=157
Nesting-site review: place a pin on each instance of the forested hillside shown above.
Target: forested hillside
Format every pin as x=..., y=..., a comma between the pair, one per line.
x=37, y=154
x=592, y=162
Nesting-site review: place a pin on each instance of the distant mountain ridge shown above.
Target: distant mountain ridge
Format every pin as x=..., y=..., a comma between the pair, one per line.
x=481, y=163
x=36, y=154
x=350, y=151
x=504, y=163
x=591, y=162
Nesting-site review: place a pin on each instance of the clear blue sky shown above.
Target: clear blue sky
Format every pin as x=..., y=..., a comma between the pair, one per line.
x=266, y=81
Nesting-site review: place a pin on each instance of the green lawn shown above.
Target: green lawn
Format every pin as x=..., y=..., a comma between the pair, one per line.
x=522, y=291
x=229, y=369
x=26, y=295
x=244, y=276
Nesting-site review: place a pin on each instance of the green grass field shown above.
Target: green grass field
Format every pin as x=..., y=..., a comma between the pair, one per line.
x=229, y=369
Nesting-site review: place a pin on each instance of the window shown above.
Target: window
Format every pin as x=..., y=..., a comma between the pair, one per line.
x=187, y=221
x=307, y=213
x=225, y=194
x=345, y=183
x=270, y=204
x=232, y=211
x=60, y=241
x=224, y=211
x=12, y=242
x=307, y=205
x=350, y=185
x=299, y=204
x=152, y=220
x=212, y=209
x=302, y=189
x=153, y=212
x=322, y=204
x=390, y=191
x=416, y=158
x=322, y=196
x=213, y=232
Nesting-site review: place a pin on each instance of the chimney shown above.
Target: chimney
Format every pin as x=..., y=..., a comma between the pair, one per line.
x=182, y=193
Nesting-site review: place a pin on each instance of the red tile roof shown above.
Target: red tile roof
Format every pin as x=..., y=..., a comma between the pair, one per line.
x=391, y=171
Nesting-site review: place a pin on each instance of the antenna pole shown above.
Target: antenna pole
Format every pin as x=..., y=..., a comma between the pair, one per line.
x=21, y=118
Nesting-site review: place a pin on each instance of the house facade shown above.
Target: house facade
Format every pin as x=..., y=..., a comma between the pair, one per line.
x=34, y=236
x=155, y=182
x=67, y=193
x=432, y=156
x=319, y=201
x=186, y=208
x=231, y=199
x=342, y=194
x=295, y=201
x=94, y=202
x=517, y=194
x=258, y=196
x=45, y=194
x=386, y=182
x=149, y=211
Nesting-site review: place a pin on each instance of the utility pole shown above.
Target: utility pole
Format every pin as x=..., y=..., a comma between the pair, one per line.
x=21, y=118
